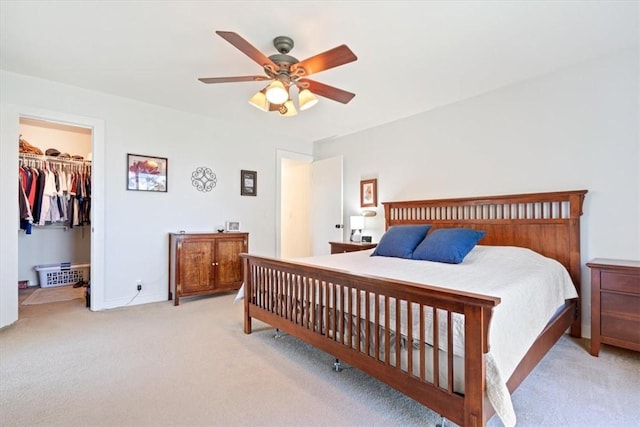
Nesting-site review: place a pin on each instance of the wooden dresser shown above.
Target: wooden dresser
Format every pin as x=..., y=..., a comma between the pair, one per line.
x=342, y=247
x=615, y=303
x=205, y=263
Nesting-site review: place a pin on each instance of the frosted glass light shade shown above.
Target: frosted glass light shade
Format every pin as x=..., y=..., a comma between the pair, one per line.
x=288, y=109
x=306, y=99
x=259, y=100
x=276, y=92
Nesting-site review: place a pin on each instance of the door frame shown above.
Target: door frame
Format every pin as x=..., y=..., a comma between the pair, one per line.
x=98, y=162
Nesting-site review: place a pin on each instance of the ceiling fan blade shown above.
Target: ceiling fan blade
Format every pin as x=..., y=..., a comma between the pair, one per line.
x=233, y=79
x=323, y=61
x=327, y=91
x=246, y=48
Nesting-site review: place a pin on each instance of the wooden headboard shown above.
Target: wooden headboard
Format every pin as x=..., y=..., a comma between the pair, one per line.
x=548, y=223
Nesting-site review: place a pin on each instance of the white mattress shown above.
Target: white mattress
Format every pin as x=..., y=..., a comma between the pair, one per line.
x=531, y=288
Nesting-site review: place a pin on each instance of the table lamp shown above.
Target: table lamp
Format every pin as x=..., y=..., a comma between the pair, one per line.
x=356, y=223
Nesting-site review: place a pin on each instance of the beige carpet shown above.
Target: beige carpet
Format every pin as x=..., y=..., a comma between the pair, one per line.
x=56, y=294
x=191, y=365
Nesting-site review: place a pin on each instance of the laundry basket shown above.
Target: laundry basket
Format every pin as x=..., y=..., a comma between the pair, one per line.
x=62, y=274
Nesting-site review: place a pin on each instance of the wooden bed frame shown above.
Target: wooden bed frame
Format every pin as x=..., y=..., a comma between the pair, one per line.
x=320, y=305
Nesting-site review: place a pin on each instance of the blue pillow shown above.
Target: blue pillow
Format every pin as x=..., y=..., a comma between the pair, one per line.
x=400, y=240
x=448, y=245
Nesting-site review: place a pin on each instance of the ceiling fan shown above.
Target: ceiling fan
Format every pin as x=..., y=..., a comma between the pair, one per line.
x=285, y=72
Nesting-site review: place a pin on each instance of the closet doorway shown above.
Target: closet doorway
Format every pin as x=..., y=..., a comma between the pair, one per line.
x=10, y=118
x=54, y=245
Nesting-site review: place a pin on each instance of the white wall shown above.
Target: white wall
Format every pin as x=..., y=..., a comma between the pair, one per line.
x=136, y=223
x=576, y=128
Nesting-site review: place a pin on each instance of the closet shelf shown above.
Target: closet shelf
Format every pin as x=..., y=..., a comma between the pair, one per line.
x=28, y=156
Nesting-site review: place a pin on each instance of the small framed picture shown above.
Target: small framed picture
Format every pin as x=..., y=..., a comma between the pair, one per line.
x=146, y=173
x=368, y=193
x=248, y=183
x=233, y=226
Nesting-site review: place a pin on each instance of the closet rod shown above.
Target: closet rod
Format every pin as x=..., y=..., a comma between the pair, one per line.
x=52, y=227
x=62, y=226
x=43, y=157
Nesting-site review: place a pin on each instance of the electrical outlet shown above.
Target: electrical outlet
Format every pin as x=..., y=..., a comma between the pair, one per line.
x=139, y=285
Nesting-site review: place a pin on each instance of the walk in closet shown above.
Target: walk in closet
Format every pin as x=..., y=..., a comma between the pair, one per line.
x=54, y=177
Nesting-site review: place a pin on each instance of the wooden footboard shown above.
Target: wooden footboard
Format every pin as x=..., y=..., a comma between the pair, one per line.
x=332, y=310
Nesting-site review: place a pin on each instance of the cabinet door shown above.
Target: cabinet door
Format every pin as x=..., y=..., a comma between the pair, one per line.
x=196, y=264
x=228, y=263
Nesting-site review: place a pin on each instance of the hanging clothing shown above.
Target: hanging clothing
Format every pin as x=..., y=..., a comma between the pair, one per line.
x=49, y=210
x=26, y=219
x=56, y=192
x=32, y=183
x=37, y=198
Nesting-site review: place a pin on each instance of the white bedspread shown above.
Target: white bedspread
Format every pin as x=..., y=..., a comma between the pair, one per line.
x=531, y=288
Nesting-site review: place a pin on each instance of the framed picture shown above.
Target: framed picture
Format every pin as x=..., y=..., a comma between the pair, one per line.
x=248, y=183
x=233, y=226
x=369, y=193
x=146, y=173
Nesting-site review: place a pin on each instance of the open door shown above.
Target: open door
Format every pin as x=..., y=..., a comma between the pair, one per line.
x=309, y=208
x=326, y=204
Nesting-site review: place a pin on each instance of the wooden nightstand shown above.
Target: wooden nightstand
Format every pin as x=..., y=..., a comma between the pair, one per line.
x=615, y=304
x=342, y=247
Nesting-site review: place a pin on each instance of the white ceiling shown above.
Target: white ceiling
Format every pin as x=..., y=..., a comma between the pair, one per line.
x=413, y=56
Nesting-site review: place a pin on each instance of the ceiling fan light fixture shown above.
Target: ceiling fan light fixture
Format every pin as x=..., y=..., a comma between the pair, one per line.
x=259, y=100
x=283, y=73
x=277, y=93
x=306, y=99
x=288, y=109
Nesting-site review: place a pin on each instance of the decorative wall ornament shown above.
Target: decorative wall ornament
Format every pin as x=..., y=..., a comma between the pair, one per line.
x=203, y=179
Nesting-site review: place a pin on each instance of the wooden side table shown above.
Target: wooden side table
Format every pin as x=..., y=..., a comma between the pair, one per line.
x=615, y=304
x=342, y=247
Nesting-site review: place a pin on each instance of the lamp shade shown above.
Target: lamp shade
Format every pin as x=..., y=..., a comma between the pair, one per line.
x=259, y=100
x=306, y=99
x=276, y=92
x=356, y=222
x=288, y=109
